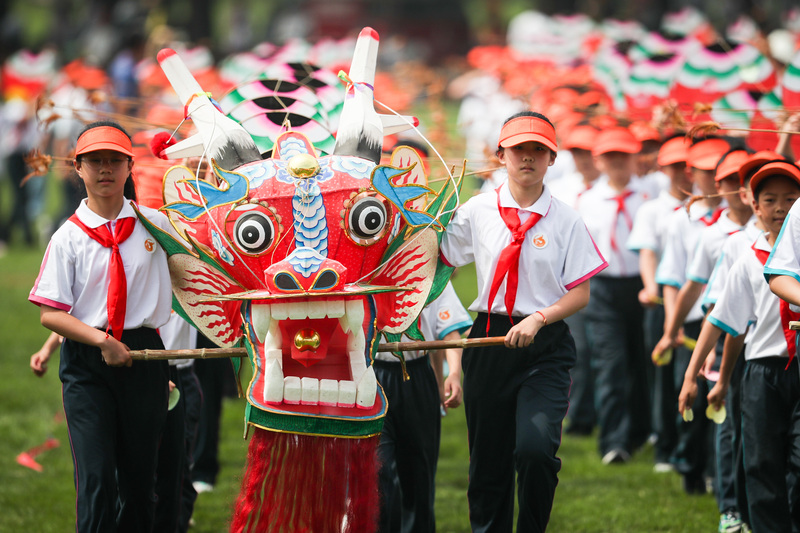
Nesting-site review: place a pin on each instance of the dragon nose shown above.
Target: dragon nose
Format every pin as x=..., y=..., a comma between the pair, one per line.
x=288, y=281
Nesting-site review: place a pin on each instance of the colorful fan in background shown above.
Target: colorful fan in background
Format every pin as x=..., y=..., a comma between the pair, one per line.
x=242, y=67
x=791, y=85
x=649, y=83
x=713, y=71
x=611, y=69
x=324, y=82
x=297, y=96
x=268, y=107
x=661, y=44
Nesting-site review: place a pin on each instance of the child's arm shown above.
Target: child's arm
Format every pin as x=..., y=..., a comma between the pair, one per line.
x=648, y=263
x=730, y=353
x=784, y=146
x=40, y=358
x=453, y=393
x=668, y=339
x=114, y=352
x=450, y=390
x=522, y=333
x=708, y=337
x=786, y=288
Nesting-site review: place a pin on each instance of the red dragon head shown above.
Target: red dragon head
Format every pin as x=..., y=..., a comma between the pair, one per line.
x=303, y=258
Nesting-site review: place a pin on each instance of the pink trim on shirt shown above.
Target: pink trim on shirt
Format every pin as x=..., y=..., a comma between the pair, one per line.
x=445, y=261
x=593, y=272
x=41, y=269
x=587, y=276
x=38, y=300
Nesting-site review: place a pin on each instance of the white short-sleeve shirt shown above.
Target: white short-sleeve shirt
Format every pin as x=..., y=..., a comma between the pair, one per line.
x=557, y=254
x=74, y=273
x=651, y=185
x=734, y=247
x=746, y=300
x=785, y=257
x=443, y=315
x=569, y=188
x=650, y=224
x=683, y=231
x=598, y=208
x=709, y=247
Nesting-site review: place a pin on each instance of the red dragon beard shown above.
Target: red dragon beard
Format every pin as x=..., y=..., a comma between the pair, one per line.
x=300, y=483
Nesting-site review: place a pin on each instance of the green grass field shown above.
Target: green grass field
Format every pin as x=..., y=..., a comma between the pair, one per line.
x=590, y=497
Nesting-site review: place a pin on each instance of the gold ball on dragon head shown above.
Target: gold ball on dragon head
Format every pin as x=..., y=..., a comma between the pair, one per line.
x=303, y=166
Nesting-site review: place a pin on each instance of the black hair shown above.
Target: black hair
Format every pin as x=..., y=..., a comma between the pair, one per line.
x=769, y=178
x=732, y=149
x=528, y=114
x=102, y=123
x=130, y=188
x=756, y=168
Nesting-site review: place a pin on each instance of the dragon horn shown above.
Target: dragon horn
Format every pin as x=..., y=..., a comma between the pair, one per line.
x=222, y=139
x=360, y=128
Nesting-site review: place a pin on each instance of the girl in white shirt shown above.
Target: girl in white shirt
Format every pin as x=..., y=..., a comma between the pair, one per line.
x=516, y=396
x=105, y=287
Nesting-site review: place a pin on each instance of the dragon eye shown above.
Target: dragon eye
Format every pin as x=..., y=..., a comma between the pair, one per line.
x=253, y=230
x=367, y=219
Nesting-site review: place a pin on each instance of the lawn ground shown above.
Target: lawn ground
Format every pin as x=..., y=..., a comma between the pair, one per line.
x=590, y=497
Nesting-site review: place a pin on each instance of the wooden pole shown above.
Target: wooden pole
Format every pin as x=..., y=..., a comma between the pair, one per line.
x=218, y=353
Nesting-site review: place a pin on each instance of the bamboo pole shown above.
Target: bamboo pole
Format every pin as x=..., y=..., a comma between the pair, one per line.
x=218, y=353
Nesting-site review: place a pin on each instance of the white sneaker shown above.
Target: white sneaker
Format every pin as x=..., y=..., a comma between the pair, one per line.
x=201, y=486
x=616, y=456
x=663, y=468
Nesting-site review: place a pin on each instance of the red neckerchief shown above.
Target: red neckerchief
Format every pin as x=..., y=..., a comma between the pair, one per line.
x=620, y=199
x=508, y=263
x=714, y=216
x=117, y=285
x=787, y=315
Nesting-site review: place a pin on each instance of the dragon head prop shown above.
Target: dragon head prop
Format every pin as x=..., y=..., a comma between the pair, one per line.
x=304, y=258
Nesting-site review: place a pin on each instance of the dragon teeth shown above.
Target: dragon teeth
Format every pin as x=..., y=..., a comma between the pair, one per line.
x=334, y=308
x=293, y=390
x=298, y=310
x=358, y=365
x=367, y=389
x=328, y=392
x=309, y=394
x=347, y=394
x=273, y=340
x=260, y=316
x=354, y=312
x=317, y=309
x=273, y=383
x=280, y=310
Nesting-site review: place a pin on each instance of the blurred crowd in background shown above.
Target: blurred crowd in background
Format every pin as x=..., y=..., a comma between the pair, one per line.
x=65, y=63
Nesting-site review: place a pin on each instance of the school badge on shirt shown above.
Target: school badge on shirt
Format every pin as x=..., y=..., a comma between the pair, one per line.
x=539, y=241
x=149, y=245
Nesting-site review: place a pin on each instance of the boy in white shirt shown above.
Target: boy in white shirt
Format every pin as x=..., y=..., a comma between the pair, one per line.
x=614, y=314
x=647, y=238
x=771, y=383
